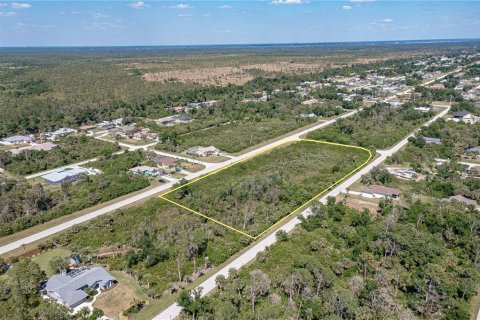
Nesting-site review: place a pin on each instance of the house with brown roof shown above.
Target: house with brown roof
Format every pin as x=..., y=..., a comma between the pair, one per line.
x=168, y=164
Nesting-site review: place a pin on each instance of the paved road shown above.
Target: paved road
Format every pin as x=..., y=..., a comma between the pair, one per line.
x=210, y=168
x=208, y=285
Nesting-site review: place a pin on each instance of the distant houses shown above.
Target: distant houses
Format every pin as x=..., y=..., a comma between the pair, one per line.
x=173, y=120
x=47, y=146
x=464, y=116
x=68, y=175
x=145, y=170
x=62, y=132
x=432, y=140
x=68, y=288
x=379, y=192
x=17, y=140
x=203, y=151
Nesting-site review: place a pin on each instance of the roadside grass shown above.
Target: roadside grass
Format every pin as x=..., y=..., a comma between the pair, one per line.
x=475, y=303
x=43, y=259
x=191, y=166
x=52, y=223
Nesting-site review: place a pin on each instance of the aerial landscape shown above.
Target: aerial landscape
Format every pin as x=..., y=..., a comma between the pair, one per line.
x=277, y=159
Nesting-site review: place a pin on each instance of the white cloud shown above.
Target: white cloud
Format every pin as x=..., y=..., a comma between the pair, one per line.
x=225, y=6
x=181, y=6
x=98, y=15
x=138, y=5
x=387, y=20
x=103, y=26
x=185, y=15
x=16, y=5
x=288, y=1
x=346, y=8
x=7, y=14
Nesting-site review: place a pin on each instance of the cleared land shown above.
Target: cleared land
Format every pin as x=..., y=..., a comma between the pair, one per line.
x=253, y=195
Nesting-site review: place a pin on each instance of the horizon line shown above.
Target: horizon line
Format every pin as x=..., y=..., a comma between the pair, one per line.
x=438, y=40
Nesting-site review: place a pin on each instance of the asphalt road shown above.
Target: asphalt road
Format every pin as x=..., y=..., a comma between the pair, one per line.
x=118, y=205
x=208, y=285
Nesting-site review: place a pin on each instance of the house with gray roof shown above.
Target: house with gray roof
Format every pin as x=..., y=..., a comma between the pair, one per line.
x=17, y=140
x=67, y=288
x=68, y=174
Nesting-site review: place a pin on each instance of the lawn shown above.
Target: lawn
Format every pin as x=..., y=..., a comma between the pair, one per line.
x=252, y=195
x=43, y=259
x=116, y=300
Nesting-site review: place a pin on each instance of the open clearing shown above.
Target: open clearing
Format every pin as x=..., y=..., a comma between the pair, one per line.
x=253, y=195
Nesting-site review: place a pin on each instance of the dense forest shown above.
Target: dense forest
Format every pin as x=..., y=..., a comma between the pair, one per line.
x=42, y=90
x=406, y=263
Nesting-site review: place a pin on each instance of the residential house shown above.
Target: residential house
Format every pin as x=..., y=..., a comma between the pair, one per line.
x=87, y=127
x=17, y=140
x=168, y=164
x=123, y=131
x=203, y=151
x=68, y=288
x=422, y=109
x=430, y=140
x=47, y=146
x=144, y=170
x=465, y=116
x=473, y=151
x=438, y=86
x=381, y=192
x=68, y=174
x=310, y=102
x=62, y=132
x=173, y=120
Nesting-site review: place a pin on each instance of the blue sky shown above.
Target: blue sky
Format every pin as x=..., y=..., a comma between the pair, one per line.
x=104, y=23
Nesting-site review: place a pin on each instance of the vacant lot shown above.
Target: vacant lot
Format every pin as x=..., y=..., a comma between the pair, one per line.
x=254, y=194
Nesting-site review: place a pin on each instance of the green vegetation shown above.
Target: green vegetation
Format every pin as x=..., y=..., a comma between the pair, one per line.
x=376, y=127
x=411, y=262
x=253, y=195
x=51, y=260
x=456, y=139
x=70, y=150
x=24, y=205
x=19, y=297
x=162, y=246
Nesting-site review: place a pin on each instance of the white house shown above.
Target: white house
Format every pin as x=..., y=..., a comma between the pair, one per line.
x=17, y=140
x=203, y=151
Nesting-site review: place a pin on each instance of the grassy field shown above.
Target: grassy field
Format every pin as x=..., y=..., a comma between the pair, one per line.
x=254, y=194
x=116, y=300
x=43, y=259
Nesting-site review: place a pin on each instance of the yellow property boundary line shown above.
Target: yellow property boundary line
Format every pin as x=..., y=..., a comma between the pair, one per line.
x=255, y=155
